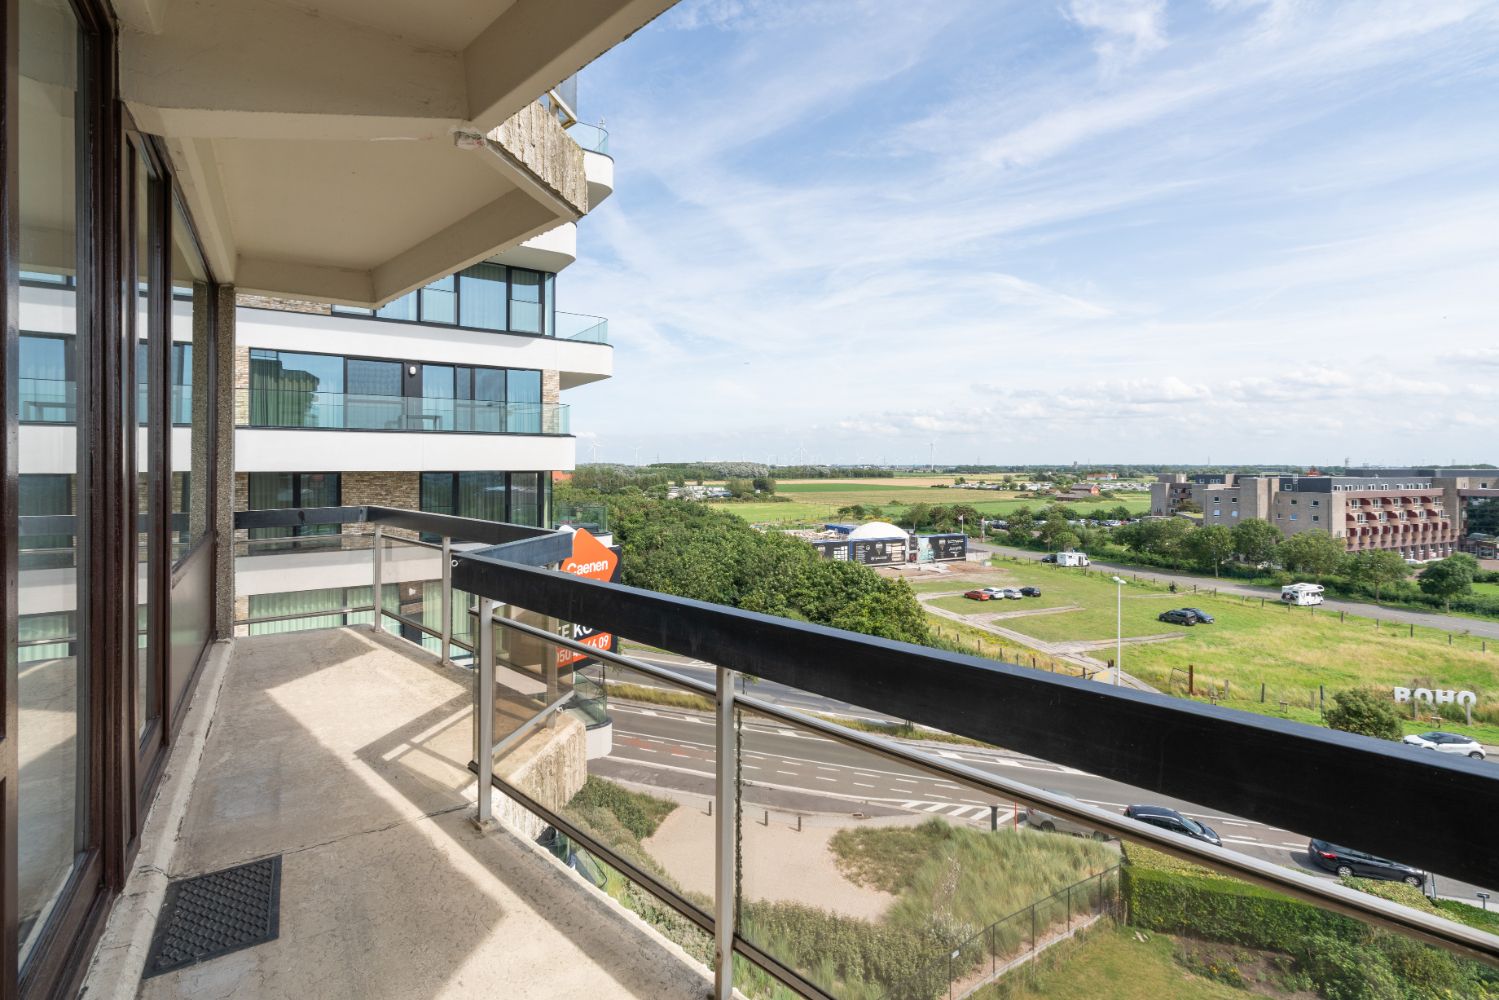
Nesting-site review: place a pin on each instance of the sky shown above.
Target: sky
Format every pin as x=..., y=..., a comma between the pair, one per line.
x=1216, y=231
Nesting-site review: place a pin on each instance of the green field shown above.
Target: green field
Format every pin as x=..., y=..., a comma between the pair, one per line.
x=1487, y=589
x=1111, y=963
x=819, y=500
x=1289, y=650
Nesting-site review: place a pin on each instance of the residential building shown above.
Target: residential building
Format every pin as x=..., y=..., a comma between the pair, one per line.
x=1415, y=512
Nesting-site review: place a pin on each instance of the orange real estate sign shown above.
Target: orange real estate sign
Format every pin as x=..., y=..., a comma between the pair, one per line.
x=595, y=560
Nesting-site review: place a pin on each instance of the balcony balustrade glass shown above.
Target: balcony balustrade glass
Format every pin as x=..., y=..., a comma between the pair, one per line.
x=308, y=409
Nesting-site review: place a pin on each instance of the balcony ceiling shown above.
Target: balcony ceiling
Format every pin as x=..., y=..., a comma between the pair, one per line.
x=315, y=141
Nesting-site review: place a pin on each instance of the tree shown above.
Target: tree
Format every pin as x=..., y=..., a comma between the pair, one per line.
x=1315, y=553
x=1255, y=540
x=1362, y=711
x=741, y=487
x=1377, y=569
x=1020, y=524
x=918, y=515
x=763, y=484
x=1211, y=546
x=1119, y=512
x=1189, y=507
x=1449, y=578
x=1158, y=536
x=1054, y=528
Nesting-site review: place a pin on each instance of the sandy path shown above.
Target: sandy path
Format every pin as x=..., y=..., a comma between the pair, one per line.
x=779, y=864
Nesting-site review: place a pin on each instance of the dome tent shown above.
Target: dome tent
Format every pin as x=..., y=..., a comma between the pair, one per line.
x=877, y=531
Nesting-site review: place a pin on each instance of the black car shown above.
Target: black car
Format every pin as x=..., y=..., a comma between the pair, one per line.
x=1030, y=591
x=1170, y=819
x=1345, y=862
x=1203, y=618
x=1049, y=557
x=1177, y=616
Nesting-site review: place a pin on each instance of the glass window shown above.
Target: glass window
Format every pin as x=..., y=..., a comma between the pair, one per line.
x=295, y=390
x=481, y=296
x=523, y=402
x=525, y=301
x=182, y=384
x=440, y=301
x=435, y=412
x=51, y=697
x=549, y=290
x=191, y=506
x=437, y=492
x=481, y=495
x=48, y=394
x=138, y=314
x=525, y=498
x=374, y=400
x=283, y=490
x=401, y=308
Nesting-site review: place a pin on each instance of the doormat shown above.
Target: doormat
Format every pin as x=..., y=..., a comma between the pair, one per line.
x=211, y=915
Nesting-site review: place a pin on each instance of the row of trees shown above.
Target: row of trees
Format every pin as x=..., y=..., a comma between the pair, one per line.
x=695, y=550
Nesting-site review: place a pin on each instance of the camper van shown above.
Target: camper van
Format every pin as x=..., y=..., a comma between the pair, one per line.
x=1301, y=594
x=1071, y=559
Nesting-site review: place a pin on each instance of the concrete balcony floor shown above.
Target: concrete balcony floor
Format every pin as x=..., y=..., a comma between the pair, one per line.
x=347, y=752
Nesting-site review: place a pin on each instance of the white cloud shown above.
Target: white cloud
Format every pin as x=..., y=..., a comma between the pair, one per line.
x=1124, y=31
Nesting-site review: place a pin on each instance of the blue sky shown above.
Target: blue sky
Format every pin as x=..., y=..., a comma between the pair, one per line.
x=1080, y=230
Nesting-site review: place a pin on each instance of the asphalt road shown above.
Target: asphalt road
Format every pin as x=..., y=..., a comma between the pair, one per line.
x=1484, y=628
x=794, y=771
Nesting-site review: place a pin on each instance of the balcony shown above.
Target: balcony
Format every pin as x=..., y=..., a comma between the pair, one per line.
x=282, y=409
x=55, y=401
x=582, y=328
x=688, y=782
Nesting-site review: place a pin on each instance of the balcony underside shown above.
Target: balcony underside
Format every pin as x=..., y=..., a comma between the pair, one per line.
x=348, y=755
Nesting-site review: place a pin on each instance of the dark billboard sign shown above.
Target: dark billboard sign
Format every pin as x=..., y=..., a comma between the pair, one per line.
x=878, y=552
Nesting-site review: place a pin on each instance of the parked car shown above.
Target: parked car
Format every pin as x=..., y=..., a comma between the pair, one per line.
x=1177, y=616
x=1345, y=862
x=1039, y=820
x=1170, y=819
x=1013, y=593
x=995, y=593
x=1030, y=591
x=979, y=595
x=1448, y=743
x=1049, y=557
x=1203, y=618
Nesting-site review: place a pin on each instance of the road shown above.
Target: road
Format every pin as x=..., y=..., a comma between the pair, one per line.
x=1480, y=627
x=794, y=771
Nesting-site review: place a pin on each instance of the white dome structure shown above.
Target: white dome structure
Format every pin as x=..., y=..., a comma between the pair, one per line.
x=877, y=531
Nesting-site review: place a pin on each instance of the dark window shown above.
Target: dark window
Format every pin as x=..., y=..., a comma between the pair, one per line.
x=284, y=490
x=48, y=393
x=525, y=301
x=481, y=297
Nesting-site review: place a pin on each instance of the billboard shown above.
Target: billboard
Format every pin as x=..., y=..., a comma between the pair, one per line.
x=836, y=551
x=878, y=551
x=947, y=547
x=597, y=561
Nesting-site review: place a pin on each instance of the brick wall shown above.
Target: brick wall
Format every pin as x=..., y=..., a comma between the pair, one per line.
x=285, y=305
x=551, y=387
x=381, y=489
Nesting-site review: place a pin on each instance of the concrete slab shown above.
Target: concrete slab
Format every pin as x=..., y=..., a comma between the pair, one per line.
x=346, y=753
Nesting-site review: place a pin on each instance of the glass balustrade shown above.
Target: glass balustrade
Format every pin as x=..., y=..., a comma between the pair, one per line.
x=295, y=408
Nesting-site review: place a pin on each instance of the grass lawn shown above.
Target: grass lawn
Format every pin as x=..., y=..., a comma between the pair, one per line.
x=1486, y=589
x=819, y=499
x=1113, y=964
x=961, y=605
x=1289, y=650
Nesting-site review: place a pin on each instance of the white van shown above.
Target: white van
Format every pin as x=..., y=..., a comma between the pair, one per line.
x=1301, y=594
x=1071, y=559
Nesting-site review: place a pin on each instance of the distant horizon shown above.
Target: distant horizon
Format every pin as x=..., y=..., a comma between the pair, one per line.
x=960, y=468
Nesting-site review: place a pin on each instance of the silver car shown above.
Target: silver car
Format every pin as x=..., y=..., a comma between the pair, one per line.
x=1038, y=820
x=1448, y=743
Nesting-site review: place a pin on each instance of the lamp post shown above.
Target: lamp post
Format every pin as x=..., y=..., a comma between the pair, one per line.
x=1119, y=629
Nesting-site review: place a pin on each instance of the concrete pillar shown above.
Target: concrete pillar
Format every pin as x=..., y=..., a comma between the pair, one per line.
x=222, y=380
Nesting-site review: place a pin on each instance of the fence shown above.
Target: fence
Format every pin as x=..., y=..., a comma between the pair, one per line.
x=1013, y=939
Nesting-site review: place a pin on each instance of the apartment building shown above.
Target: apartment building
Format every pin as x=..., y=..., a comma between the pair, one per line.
x=1415, y=512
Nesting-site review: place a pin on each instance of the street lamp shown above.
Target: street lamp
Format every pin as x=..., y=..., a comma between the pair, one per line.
x=1119, y=629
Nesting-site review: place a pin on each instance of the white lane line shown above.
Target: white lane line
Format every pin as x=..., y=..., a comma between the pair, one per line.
x=958, y=811
x=860, y=784
x=824, y=767
x=675, y=754
x=946, y=784
x=1293, y=843
x=821, y=778
x=1233, y=822
x=792, y=773
x=934, y=807
x=909, y=781
x=638, y=749
x=646, y=711
x=909, y=805
x=747, y=767
x=1245, y=840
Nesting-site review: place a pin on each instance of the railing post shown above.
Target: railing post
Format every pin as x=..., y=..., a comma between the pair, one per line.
x=726, y=822
x=447, y=601
x=379, y=577
x=484, y=712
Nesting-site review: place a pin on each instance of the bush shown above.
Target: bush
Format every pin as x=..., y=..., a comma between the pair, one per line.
x=637, y=812
x=1364, y=712
x=1343, y=969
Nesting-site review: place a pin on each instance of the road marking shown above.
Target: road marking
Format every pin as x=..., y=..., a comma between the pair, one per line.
x=752, y=767
x=675, y=754
x=860, y=784
x=1293, y=843
x=824, y=767
x=644, y=749
x=821, y=778
x=933, y=807
x=909, y=781
x=792, y=773
x=645, y=711
x=1233, y=822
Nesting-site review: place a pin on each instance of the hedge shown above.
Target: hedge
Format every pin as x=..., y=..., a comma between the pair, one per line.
x=1173, y=897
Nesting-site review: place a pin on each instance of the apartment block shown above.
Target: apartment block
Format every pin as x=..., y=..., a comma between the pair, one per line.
x=1415, y=512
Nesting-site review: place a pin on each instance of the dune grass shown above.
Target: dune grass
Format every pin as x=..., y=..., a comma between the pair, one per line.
x=1110, y=963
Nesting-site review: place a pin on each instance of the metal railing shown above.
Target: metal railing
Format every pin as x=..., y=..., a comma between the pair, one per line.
x=1257, y=768
x=285, y=409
